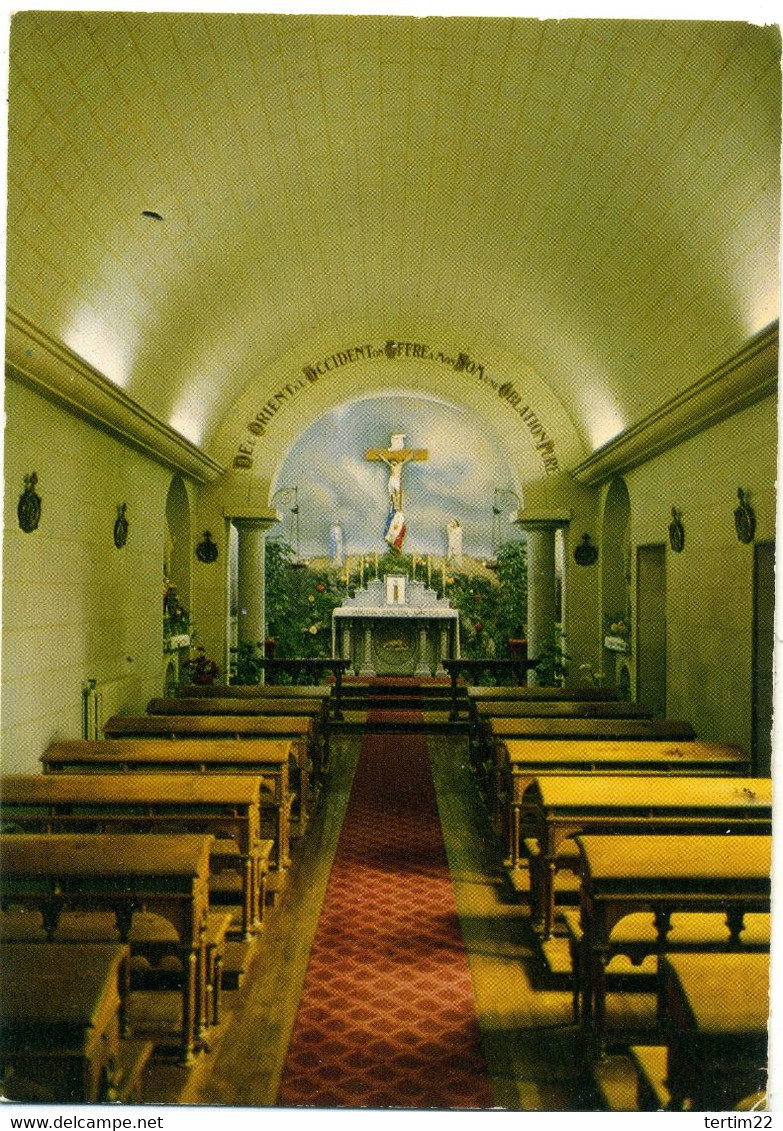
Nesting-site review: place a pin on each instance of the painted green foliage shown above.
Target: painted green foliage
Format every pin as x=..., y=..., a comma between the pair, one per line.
x=300, y=599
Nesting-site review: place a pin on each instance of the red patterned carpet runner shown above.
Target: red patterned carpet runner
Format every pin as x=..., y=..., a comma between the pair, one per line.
x=387, y=1017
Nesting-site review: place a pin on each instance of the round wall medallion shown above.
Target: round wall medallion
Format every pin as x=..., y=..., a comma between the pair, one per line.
x=120, y=527
x=206, y=550
x=744, y=518
x=586, y=554
x=28, y=509
x=676, y=532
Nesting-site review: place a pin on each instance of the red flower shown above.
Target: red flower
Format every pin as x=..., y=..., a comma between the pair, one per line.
x=478, y=626
x=320, y=588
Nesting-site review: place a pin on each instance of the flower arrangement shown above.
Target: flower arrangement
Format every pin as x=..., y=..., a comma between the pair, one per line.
x=594, y=675
x=200, y=668
x=617, y=632
x=176, y=619
x=617, y=624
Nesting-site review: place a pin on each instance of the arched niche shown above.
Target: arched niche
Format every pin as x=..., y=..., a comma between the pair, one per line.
x=616, y=582
x=177, y=554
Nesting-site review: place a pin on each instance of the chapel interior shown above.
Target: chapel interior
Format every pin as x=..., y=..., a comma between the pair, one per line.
x=389, y=561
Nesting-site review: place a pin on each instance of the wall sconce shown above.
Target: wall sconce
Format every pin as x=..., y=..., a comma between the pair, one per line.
x=206, y=550
x=744, y=518
x=28, y=509
x=586, y=554
x=676, y=531
x=120, y=527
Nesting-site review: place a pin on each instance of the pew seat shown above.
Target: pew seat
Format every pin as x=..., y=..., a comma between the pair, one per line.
x=715, y=1010
x=155, y=961
x=255, y=690
x=659, y=874
x=528, y=692
x=297, y=730
x=273, y=707
x=561, y=806
x=229, y=806
x=61, y=1030
x=520, y=761
x=268, y=759
x=634, y=942
x=53, y=874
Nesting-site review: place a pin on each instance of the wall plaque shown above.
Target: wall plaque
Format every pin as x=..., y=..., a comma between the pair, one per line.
x=28, y=509
x=206, y=550
x=744, y=518
x=120, y=527
x=676, y=532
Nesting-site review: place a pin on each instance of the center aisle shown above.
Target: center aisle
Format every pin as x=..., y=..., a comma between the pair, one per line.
x=387, y=1016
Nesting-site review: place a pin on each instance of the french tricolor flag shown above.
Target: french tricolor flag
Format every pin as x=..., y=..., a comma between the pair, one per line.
x=395, y=529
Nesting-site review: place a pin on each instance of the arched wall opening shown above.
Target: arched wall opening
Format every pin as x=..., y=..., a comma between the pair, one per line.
x=616, y=583
x=325, y=479
x=177, y=583
x=177, y=539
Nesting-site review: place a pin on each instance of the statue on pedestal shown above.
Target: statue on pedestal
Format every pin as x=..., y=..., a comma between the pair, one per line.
x=336, y=547
x=454, y=537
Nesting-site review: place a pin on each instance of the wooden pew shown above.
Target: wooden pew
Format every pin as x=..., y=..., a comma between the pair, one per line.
x=533, y=691
x=520, y=761
x=298, y=731
x=527, y=693
x=308, y=670
x=63, y=1025
x=318, y=692
x=562, y=806
x=715, y=1010
x=227, y=806
x=661, y=875
x=167, y=875
x=313, y=709
x=483, y=714
x=499, y=731
x=511, y=671
x=267, y=759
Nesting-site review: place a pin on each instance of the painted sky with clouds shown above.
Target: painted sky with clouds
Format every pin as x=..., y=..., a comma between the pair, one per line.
x=467, y=464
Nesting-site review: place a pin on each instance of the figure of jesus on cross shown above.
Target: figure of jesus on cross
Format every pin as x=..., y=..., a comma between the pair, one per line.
x=395, y=457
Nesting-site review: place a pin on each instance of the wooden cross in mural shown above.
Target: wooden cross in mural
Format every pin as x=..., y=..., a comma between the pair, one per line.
x=396, y=456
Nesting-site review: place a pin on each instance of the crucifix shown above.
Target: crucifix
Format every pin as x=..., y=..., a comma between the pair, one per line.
x=395, y=457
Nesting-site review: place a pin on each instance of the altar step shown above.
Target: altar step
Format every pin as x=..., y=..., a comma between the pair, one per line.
x=400, y=704
x=403, y=720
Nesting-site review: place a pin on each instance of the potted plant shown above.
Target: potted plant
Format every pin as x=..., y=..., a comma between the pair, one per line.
x=200, y=668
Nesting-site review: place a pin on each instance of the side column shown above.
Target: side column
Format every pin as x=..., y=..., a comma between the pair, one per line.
x=541, y=584
x=251, y=587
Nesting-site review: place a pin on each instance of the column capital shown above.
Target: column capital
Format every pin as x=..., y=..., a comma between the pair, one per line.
x=252, y=519
x=541, y=519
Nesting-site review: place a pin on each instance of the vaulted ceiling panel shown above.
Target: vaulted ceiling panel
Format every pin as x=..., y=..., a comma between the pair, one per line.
x=596, y=199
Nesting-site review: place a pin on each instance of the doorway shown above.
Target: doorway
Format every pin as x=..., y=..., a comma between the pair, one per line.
x=763, y=649
x=651, y=626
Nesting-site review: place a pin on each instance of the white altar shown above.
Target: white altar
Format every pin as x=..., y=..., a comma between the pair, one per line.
x=395, y=627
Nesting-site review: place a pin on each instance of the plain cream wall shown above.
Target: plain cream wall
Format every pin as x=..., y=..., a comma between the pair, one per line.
x=709, y=585
x=74, y=606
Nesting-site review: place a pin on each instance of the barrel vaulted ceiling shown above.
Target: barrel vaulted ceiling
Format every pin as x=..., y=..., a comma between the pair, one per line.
x=586, y=209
